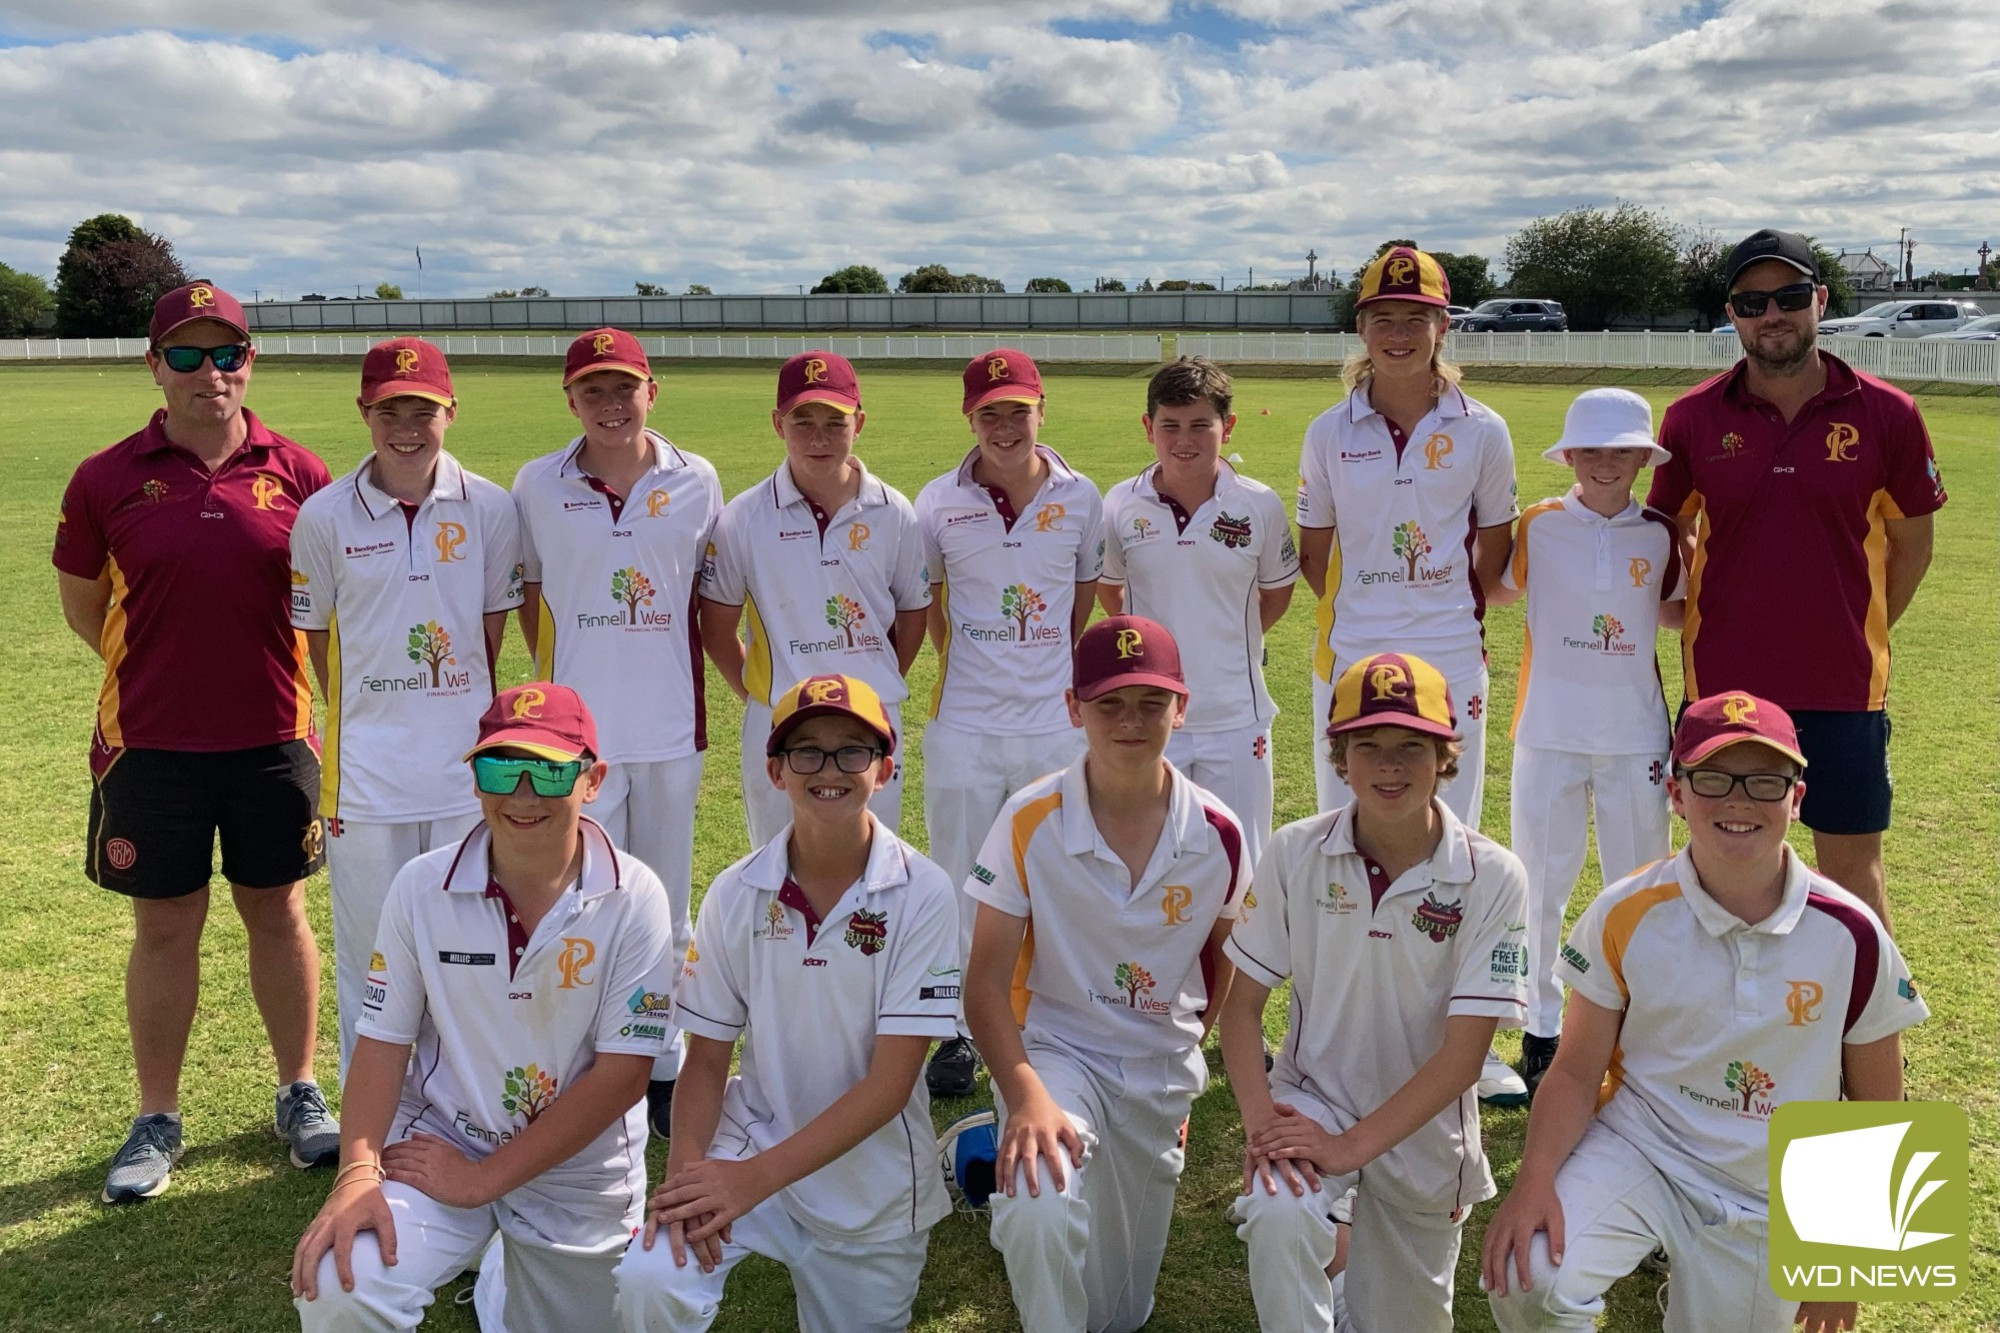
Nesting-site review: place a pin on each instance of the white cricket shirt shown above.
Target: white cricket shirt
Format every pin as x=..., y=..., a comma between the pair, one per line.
x=1008, y=587
x=818, y=597
x=504, y=1023
x=1199, y=574
x=1375, y=978
x=808, y=997
x=402, y=594
x=1400, y=574
x=1590, y=682
x=617, y=593
x=1107, y=968
x=1723, y=1021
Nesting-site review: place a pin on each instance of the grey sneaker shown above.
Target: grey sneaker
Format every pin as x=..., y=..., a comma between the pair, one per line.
x=306, y=1126
x=145, y=1165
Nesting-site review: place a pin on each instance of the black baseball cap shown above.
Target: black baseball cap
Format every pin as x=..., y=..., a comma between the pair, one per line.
x=1787, y=247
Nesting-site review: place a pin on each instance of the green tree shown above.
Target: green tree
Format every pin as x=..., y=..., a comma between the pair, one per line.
x=504, y=294
x=1599, y=262
x=1046, y=285
x=979, y=282
x=1839, y=287
x=928, y=278
x=854, y=280
x=388, y=291
x=24, y=300
x=649, y=289
x=109, y=277
x=699, y=289
x=1109, y=285
x=534, y=291
x=1470, y=280
x=1704, y=274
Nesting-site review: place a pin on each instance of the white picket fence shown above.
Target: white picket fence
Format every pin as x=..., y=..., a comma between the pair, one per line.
x=1894, y=358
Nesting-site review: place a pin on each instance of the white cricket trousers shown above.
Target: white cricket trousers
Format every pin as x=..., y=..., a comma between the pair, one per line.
x=1087, y=1256
x=1234, y=766
x=968, y=776
x=841, y=1286
x=1400, y=1261
x=1463, y=795
x=551, y=1287
x=648, y=809
x=1617, y=1208
x=1554, y=794
x=362, y=861
x=766, y=809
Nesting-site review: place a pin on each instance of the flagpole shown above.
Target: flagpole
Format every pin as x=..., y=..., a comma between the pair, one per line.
x=420, y=273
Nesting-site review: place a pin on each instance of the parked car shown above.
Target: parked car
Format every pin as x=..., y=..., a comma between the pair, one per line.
x=1903, y=319
x=1455, y=311
x=1508, y=314
x=1984, y=329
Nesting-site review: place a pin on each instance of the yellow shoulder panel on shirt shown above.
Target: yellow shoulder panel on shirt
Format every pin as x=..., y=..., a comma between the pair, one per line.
x=1623, y=919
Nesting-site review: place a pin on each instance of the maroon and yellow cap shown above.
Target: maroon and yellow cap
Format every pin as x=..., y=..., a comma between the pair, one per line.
x=547, y=720
x=405, y=368
x=192, y=301
x=1403, y=273
x=824, y=696
x=1722, y=720
x=1392, y=690
x=1126, y=650
x=605, y=349
x=818, y=377
x=1002, y=375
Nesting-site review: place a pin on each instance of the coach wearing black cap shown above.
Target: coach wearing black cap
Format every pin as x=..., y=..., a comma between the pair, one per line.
x=1806, y=488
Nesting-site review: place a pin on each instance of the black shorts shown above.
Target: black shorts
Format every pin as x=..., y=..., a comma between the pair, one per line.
x=1847, y=771
x=155, y=814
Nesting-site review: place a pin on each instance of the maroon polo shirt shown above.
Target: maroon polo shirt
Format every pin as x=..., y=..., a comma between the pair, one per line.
x=1787, y=595
x=199, y=649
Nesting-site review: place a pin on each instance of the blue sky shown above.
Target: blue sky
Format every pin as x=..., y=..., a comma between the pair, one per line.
x=754, y=145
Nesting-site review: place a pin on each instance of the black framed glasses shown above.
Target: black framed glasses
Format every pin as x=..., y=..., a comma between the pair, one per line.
x=1749, y=305
x=1715, y=784
x=809, y=759
x=228, y=357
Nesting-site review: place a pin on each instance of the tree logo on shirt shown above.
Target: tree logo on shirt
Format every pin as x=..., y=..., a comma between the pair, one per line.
x=844, y=613
x=1641, y=569
x=430, y=645
x=1438, y=920
x=1732, y=444
x=1802, y=1002
x=1607, y=628
x=1046, y=516
x=1338, y=901
x=1134, y=980
x=1840, y=441
x=867, y=931
x=1233, y=533
x=1749, y=1082
x=1408, y=542
x=1021, y=604
x=267, y=491
x=774, y=922
x=632, y=588
x=450, y=537
x=1436, y=450
x=1142, y=528
x=528, y=1092
x=152, y=489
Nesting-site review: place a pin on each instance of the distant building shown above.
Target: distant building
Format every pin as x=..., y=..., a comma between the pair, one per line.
x=1866, y=273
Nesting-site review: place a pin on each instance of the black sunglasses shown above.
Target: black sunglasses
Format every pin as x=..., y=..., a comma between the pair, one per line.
x=1750, y=305
x=187, y=360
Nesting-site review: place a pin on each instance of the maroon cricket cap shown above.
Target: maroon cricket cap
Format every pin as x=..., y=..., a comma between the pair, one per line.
x=1722, y=720
x=818, y=377
x=547, y=720
x=1001, y=375
x=192, y=301
x=605, y=349
x=1126, y=650
x=405, y=367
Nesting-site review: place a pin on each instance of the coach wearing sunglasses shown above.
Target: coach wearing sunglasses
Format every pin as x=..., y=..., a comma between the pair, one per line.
x=173, y=555
x=1806, y=490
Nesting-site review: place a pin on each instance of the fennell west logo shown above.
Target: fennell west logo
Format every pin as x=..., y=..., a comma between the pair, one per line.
x=1869, y=1201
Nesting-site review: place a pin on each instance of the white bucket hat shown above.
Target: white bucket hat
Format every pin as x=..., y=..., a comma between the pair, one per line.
x=1608, y=419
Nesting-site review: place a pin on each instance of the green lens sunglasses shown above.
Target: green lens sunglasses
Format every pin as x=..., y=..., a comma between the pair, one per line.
x=502, y=777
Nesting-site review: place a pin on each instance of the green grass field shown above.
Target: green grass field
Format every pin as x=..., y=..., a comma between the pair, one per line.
x=213, y=1254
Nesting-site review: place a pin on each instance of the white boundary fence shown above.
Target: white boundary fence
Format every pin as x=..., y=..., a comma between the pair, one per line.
x=1895, y=358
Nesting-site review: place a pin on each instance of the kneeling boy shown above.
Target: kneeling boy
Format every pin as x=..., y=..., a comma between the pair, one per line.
x=1105, y=892
x=1713, y=987
x=528, y=965
x=1394, y=1005
x=832, y=953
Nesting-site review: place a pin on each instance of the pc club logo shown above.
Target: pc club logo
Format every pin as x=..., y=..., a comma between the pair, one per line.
x=602, y=344
x=1870, y=1201
x=1047, y=516
x=406, y=361
x=450, y=540
x=1437, y=452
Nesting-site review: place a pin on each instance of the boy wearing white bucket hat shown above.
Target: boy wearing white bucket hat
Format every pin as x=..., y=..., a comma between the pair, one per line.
x=1601, y=574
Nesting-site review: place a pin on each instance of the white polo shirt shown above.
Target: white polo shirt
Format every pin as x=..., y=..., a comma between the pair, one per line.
x=1400, y=576
x=1723, y=1021
x=1008, y=586
x=1109, y=969
x=617, y=593
x=1374, y=979
x=1200, y=574
x=1590, y=682
x=818, y=597
x=505, y=1023
x=808, y=997
x=403, y=594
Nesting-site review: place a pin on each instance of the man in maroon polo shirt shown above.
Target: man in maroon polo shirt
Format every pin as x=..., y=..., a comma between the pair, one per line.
x=1807, y=489
x=173, y=555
